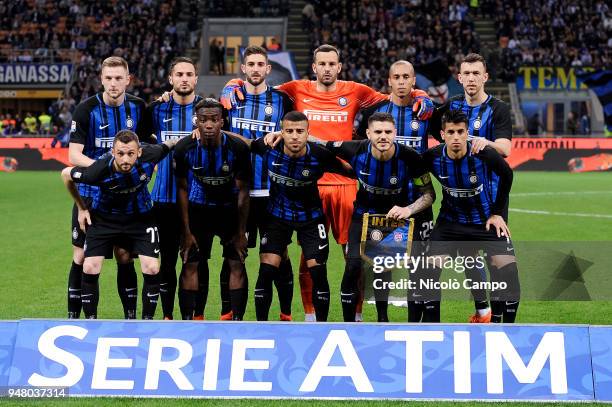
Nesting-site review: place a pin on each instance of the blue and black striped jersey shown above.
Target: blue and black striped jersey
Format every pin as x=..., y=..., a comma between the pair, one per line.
x=491, y=119
x=94, y=124
x=168, y=120
x=411, y=131
x=121, y=193
x=468, y=195
x=214, y=169
x=254, y=117
x=294, y=195
x=382, y=184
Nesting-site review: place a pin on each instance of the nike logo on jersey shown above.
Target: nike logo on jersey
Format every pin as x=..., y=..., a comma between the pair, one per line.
x=167, y=120
x=239, y=107
x=363, y=173
x=276, y=164
x=305, y=100
x=103, y=127
x=441, y=177
x=323, y=247
x=154, y=251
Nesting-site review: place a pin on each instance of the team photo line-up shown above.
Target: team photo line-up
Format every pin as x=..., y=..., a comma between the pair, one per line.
x=304, y=156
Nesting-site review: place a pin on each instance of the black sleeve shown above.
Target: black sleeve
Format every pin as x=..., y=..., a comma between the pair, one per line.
x=345, y=149
x=414, y=161
x=226, y=120
x=435, y=122
x=287, y=102
x=259, y=147
x=154, y=152
x=502, y=123
x=145, y=127
x=79, y=127
x=93, y=174
x=180, y=151
x=329, y=161
x=429, y=155
x=499, y=166
x=243, y=168
x=364, y=115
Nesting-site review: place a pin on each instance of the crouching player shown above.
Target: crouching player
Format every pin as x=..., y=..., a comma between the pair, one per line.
x=294, y=167
x=470, y=218
x=120, y=215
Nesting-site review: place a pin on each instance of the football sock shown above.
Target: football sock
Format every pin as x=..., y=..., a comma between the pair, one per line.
x=127, y=287
x=284, y=286
x=202, y=297
x=415, y=311
x=74, y=290
x=381, y=310
x=510, y=311
x=224, y=276
x=187, y=299
x=320, y=291
x=237, y=299
x=90, y=294
x=245, y=296
x=431, y=311
x=497, y=311
x=349, y=289
x=168, y=281
x=150, y=294
x=263, y=290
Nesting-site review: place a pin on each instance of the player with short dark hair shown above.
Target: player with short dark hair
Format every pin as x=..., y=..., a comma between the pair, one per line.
x=119, y=214
x=489, y=124
x=260, y=112
x=294, y=166
x=94, y=125
x=472, y=210
x=169, y=120
x=216, y=203
x=384, y=169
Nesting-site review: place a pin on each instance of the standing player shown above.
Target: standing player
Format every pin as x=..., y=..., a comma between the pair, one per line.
x=168, y=121
x=217, y=204
x=95, y=123
x=384, y=169
x=489, y=125
x=294, y=166
x=119, y=215
x=331, y=106
x=411, y=132
x=260, y=112
x=472, y=210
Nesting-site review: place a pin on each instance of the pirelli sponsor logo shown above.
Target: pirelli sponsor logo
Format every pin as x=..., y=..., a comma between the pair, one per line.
x=463, y=192
x=253, y=125
x=379, y=190
x=214, y=181
x=290, y=182
x=326, y=116
x=171, y=135
x=104, y=142
x=410, y=141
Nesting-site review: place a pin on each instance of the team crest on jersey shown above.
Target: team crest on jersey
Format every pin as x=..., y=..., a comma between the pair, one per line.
x=393, y=180
x=143, y=177
x=477, y=124
x=414, y=125
x=225, y=167
x=342, y=101
x=129, y=123
x=76, y=175
x=269, y=109
x=474, y=179
x=305, y=172
x=73, y=127
x=194, y=119
x=376, y=235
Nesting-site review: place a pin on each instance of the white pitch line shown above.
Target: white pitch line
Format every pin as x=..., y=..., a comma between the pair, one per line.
x=581, y=215
x=521, y=194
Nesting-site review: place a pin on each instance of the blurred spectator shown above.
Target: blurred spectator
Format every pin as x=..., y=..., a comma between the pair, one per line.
x=273, y=45
x=63, y=122
x=30, y=124
x=585, y=124
x=309, y=17
x=534, y=125
x=45, y=123
x=8, y=125
x=572, y=123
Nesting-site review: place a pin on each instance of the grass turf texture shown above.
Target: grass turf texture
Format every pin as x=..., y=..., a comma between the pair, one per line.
x=36, y=253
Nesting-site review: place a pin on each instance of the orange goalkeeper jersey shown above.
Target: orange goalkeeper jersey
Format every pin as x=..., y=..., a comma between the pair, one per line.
x=331, y=114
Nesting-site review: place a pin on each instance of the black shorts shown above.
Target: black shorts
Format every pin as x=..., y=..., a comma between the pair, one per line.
x=78, y=236
x=258, y=213
x=168, y=221
x=423, y=225
x=276, y=236
x=452, y=237
x=206, y=222
x=137, y=234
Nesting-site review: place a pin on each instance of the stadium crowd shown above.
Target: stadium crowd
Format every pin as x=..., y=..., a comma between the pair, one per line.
x=554, y=33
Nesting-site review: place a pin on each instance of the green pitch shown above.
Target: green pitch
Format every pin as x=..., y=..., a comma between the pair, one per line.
x=36, y=253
